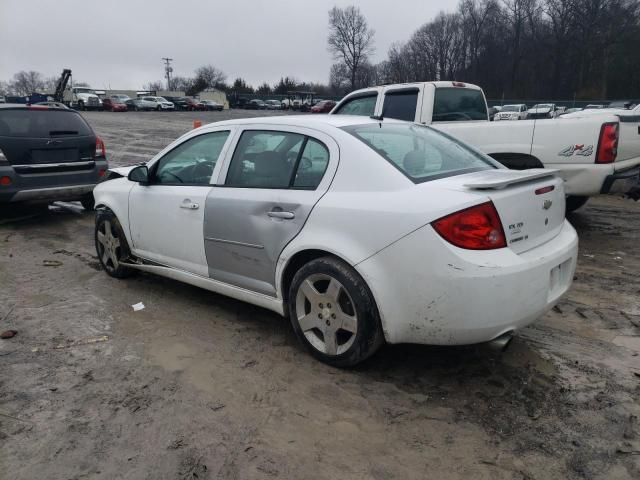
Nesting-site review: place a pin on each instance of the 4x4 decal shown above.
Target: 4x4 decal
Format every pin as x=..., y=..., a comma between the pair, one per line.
x=582, y=150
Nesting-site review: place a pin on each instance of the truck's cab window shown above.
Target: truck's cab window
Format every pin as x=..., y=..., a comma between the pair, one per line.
x=361, y=105
x=458, y=104
x=401, y=105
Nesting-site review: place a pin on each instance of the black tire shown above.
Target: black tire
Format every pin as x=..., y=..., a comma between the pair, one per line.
x=354, y=296
x=88, y=202
x=158, y=108
x=104, y=218
x=81, y=106
x=135, y=108
x=575, y=202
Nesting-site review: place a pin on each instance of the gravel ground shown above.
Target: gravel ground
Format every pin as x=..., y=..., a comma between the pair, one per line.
x=199, y=386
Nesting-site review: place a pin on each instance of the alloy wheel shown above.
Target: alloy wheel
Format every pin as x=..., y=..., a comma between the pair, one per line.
x=326, y=314
x=108, y=245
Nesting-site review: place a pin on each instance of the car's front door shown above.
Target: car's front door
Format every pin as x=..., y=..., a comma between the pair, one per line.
x=269, y=188
x=166, y=216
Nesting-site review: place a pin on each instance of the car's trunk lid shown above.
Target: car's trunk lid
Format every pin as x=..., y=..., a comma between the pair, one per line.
x=530, y=203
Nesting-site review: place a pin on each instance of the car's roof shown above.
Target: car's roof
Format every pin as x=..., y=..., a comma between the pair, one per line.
x=24, y=106
x=310, y=121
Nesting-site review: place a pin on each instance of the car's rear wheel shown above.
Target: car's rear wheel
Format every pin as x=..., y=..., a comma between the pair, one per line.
x=111, y=245
x=575, y=202
x=333, y=313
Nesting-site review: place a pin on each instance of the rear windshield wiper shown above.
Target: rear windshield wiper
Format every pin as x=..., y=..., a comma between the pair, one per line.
x=62, y=132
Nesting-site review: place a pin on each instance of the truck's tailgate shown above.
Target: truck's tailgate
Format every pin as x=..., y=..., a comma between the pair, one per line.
x=629, y=142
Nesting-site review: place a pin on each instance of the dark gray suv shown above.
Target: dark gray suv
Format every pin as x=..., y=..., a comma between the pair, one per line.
x=48, y=154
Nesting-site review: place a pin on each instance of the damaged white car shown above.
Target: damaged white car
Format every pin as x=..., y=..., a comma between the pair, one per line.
x=362, y=231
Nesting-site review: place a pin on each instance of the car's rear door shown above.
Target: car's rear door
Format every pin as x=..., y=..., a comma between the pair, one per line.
x=266, y=192
x=166, y=216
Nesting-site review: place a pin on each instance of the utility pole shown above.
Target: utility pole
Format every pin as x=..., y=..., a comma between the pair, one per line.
x=168, y=69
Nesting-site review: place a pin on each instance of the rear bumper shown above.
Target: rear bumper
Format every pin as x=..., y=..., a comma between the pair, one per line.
x=590, y=179
x=622, y=181
x=443, y=295
x=48, y=185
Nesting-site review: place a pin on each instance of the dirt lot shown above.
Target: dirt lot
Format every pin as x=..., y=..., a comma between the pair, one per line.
x=198, y=386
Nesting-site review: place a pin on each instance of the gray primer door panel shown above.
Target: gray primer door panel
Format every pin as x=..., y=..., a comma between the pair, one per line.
x=242, y=241
x=246, y=228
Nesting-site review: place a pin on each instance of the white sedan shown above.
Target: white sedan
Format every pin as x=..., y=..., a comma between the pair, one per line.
x=361, y=231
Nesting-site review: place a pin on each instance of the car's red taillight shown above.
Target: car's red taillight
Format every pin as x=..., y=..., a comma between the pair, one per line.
x=475, y=228
x=608, y=143
x=101, y=150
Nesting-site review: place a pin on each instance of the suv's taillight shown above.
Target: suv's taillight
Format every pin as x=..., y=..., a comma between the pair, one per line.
x=475, y=228
x=608, y=143
x=101, y=150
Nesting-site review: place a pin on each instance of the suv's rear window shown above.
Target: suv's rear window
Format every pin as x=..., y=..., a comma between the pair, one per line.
x=458, y=104
x=420, y=152
x=41, y=123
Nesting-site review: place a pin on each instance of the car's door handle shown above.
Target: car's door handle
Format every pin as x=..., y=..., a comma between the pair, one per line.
x=281, y=214
x=188, y=205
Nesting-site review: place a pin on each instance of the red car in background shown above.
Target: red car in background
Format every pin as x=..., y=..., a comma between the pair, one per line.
x=324, y=106
x=193, y=104
x=114, y=104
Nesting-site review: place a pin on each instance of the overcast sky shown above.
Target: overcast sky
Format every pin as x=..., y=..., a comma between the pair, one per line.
x=119, y=44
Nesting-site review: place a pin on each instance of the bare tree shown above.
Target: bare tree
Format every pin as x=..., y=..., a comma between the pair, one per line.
x=26, y=83
x=350, y=39
x=152, y=86
x=209, y=76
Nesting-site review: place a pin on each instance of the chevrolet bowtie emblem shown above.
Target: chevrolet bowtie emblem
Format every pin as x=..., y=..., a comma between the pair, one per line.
x=547, y=204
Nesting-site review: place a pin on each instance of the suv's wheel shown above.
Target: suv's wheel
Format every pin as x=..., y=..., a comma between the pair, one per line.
x=88, y=202
x=575, y=202
x=158, y=108
x=111, y=245
x=333, y=313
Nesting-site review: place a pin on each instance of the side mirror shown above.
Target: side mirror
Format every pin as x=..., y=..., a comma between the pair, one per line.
x=140, y=174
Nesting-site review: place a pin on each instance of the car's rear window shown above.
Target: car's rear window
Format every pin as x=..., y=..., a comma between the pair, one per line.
x=458, y=104
x=420, y=152
x=36, y=123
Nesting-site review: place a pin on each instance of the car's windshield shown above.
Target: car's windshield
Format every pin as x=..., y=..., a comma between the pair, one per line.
x=542, y=105
x=420, y=152
x=510, y=108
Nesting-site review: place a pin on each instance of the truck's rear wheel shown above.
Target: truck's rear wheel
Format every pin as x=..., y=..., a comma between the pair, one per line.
x=574, y=202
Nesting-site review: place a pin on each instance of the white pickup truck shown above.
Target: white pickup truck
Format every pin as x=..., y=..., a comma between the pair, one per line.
x=594, y=153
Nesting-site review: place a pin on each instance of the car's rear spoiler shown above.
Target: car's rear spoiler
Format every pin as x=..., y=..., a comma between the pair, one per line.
x=501, y=178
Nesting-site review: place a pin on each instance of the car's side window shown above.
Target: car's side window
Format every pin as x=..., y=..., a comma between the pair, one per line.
x=359, y=106
x=192, y=162
x=264, y=159
x=401, y=105
x=312, y=165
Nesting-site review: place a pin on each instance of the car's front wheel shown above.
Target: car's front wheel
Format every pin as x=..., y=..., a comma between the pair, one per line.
x=333, y=313
x=111, y=245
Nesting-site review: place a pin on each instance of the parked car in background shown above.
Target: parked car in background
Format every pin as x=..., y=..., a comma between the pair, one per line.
x=512, y=112
x=47, y=154
x=594, y=151
x=256, y=104
x=114, y=104
x=191, y=104
x=120, y=97
x=273, y=104
x=624, y=104
x=542, y=110
x=492, y=112
x=594, y=106
x=158, y=103
x=179, y=103
x=51, y=104
x=211, y=105
x=281, y=235
x=136, y=104
x=324, y=106
x=572, y=110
